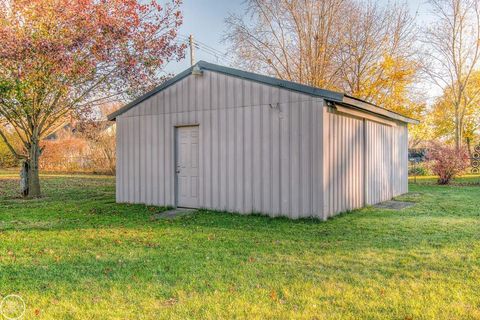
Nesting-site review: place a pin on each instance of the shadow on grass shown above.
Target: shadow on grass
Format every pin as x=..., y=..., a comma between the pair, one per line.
x=202, y=263
x=85, y=204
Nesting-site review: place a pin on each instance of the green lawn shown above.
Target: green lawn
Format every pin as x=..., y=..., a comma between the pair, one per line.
x=75, y=254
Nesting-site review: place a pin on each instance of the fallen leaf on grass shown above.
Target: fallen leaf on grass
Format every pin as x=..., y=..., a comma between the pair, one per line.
x=170, y=302
x=273, y=295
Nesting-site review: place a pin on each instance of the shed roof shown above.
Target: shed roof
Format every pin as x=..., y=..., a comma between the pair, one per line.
x=328, y=95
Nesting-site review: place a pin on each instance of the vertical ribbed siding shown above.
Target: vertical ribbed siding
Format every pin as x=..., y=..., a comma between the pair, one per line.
x=120, y=144
x=379, y=164
x=262, y=149
x=260, y=146
x=343, y=163
x=400, y=158
x=365, y=162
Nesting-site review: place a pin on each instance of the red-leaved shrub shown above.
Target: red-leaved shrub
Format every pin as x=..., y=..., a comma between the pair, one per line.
x=446, y=161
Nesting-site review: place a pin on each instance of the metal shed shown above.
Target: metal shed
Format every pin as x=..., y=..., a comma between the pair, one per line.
x=219, y=138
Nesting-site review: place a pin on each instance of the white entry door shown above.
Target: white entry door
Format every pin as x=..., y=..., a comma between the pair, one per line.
x=187, y=144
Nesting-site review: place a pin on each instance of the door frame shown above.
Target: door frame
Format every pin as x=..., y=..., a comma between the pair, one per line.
x=175, y=147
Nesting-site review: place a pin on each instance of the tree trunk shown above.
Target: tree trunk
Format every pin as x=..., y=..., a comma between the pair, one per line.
x=33, y=173
x=24, y=178
x=469, y=148
x=457, y=129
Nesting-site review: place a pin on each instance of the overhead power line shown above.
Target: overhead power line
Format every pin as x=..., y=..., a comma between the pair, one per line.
x=203, y=47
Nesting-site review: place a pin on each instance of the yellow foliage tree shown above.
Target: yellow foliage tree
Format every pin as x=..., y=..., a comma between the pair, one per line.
x=388, y=83
x=442, y=115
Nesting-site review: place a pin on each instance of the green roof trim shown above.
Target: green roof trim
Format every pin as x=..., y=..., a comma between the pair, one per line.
x=332, y=96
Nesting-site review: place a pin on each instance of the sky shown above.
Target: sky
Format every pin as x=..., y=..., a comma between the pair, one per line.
x=205, y=20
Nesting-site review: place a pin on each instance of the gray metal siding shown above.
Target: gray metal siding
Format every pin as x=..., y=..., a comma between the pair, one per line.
x=379, y=164
x=260, y=146
x=400, y=160
x=365, y=162
x=343, y=163
x=263, y=149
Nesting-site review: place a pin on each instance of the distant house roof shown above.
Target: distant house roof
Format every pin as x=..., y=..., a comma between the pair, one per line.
x=328, y=95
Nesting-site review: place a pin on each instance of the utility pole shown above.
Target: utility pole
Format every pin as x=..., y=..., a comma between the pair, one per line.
x=192, y=50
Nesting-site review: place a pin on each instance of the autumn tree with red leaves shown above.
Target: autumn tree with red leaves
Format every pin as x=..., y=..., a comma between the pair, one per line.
x=61, y=57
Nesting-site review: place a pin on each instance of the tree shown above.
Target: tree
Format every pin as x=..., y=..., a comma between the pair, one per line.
x=377, y=59
x=100, y=136
x=443, y=113
x=452, y=43
x=7, y=159
x=359, y=47
x=60, y=57
x=295, y=40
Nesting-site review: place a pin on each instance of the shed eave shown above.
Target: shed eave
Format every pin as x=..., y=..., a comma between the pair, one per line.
x=371, y=108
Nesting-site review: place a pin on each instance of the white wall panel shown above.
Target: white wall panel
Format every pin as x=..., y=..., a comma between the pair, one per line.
x=379, y=164
x=400, y=160
x=343, y=163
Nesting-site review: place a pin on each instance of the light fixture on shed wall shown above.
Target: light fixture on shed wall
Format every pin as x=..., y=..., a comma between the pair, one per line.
x=196, y=71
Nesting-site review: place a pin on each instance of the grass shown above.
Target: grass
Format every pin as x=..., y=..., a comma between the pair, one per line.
x=75, y=254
